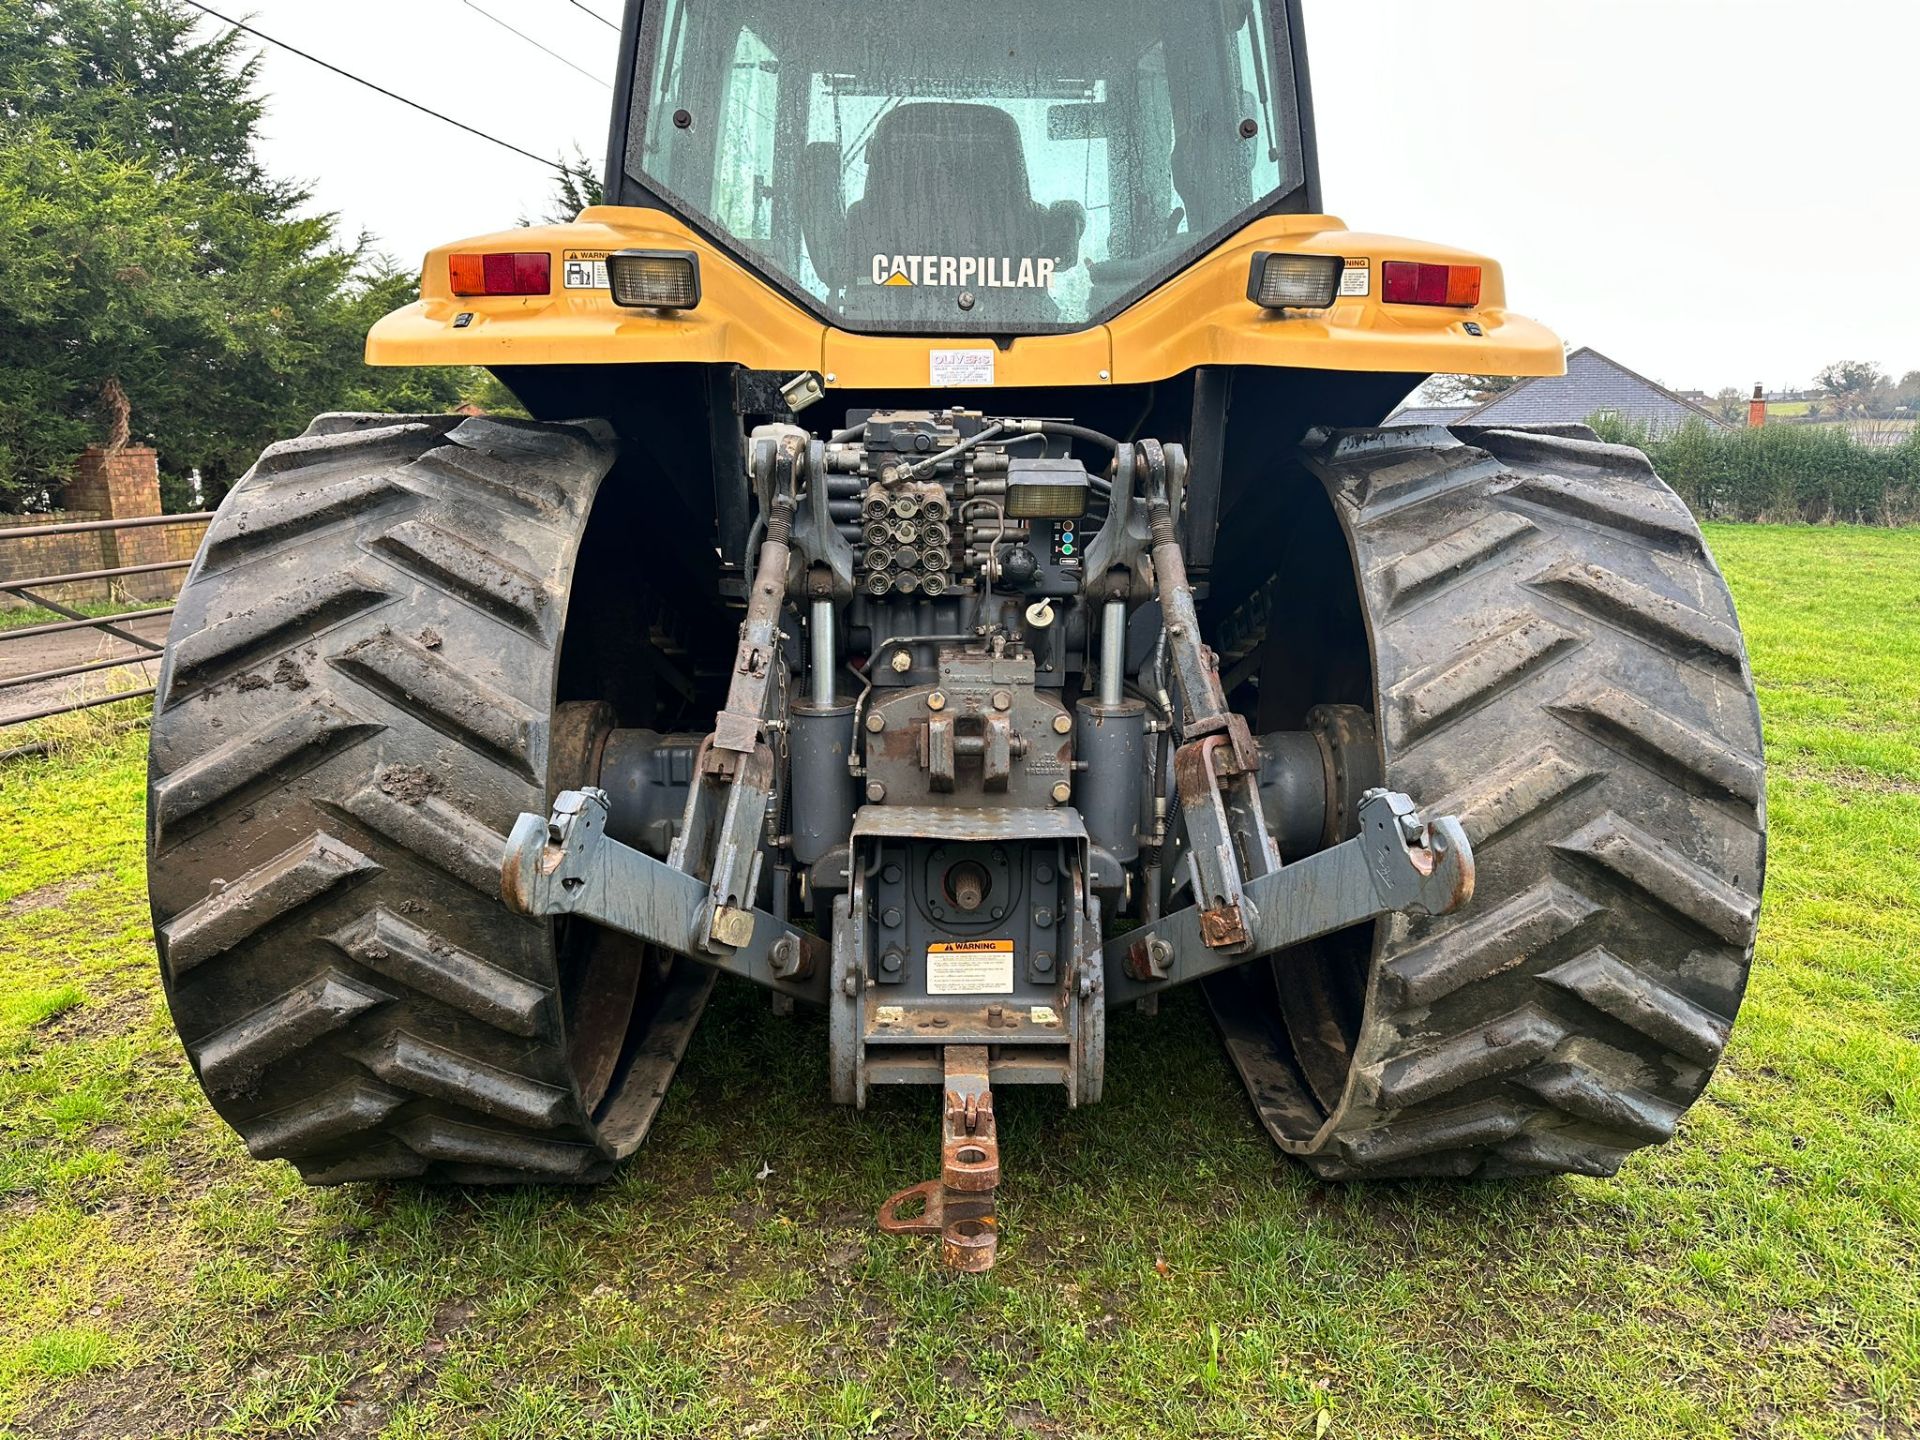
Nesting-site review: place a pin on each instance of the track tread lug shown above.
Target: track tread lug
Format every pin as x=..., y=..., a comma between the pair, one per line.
x=1654, y=617
x=318, y=1121
x=436, y=1138
x=273, y=516
x=1514, y=793
x=1453, y=555
x=320, y=447
x=1486, y=943
x=1553, y=1152
x=230, y=645
x=1418, y=476
x=452, y=702
x=1632, y=512
x=1607, y=1100
x=1642, y=1003
x=232, y=1059
x=433, y=828
x=1465, y=1128
x=379, y=1162
x=1661, y=741
x=278, y=749
x=1629, y=854
x=390, y=945
x=494, y=585
x=410, y=1063
x=1512, y=648
x=290, y=880
x=1499, y=1047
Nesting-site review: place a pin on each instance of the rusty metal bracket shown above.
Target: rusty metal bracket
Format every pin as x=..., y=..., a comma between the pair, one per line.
x=958, y=1207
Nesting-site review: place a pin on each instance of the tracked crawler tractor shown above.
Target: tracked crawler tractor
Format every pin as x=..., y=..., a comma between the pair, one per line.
x=950, y=578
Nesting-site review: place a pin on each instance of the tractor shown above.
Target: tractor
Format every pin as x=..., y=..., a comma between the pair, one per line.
x=948, y=568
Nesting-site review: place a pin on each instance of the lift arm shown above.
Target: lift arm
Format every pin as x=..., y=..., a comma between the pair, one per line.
x=568, y=865
x=1396, y=862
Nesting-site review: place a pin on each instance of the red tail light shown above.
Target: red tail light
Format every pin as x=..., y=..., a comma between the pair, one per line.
x=502, y=274
x=1407, y=282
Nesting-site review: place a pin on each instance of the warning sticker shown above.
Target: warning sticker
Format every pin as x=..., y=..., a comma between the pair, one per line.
x=1357, y=278
x=970, y=967
x=584, y=270
x=960, y=367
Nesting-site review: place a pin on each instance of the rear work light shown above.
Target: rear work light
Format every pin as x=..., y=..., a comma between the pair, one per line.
x=655, y=279
x=1041, y=489
x=502, y=274
x=1407, y=282
x=1294, y=282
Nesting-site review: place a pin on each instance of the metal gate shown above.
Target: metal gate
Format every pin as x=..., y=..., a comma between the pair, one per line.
x=35, y=590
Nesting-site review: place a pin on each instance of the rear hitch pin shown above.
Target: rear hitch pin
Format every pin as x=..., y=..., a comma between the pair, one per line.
x=958, y=1207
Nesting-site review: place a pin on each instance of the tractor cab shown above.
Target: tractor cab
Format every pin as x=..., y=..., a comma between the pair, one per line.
x=1002, y=169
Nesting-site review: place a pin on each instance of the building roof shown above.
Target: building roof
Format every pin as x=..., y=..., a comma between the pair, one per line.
x=1593, y=385
x=1409, y=415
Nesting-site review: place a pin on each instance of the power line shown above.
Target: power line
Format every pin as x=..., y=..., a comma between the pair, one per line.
x=379, y=89
x=577, y=69
x=584, y=10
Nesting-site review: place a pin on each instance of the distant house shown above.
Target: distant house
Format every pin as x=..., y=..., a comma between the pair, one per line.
x=1593, y=385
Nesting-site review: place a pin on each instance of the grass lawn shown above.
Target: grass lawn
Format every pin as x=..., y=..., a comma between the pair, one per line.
x=1164, y=1272
x=19, y=617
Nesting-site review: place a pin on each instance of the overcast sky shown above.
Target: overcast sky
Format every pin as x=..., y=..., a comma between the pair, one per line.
x=1714, y=192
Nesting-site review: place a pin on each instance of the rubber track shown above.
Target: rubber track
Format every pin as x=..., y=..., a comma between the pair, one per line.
x=1558, y=662
x=354, y=710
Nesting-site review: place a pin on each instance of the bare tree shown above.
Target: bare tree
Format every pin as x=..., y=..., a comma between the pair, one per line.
x=1852, y=385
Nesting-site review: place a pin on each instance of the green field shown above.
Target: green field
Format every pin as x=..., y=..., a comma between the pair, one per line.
x=1164, y=1272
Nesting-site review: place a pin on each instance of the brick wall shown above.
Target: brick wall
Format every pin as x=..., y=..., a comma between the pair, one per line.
x=106, y=486
x=52, y=555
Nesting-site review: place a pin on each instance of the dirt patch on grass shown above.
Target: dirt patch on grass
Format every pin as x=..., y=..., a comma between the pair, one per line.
x=139, y=1402
x=100, y=1017
x=1874, y=782
x=50, y=896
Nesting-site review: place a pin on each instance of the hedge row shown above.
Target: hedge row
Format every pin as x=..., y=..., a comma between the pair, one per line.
x=1802, y=473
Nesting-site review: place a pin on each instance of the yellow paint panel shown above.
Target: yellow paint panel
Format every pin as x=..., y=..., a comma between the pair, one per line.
x=1203, y=316
x=1200, y=317
x=740, y=319
x=864, y=362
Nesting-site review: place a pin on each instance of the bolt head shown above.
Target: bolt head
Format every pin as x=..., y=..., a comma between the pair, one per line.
x=901, y=662
x=876, y=792
x=937, y=700
x=1003, y=699
x=1062, y=724
x=1062, y=793
x=876, y=722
